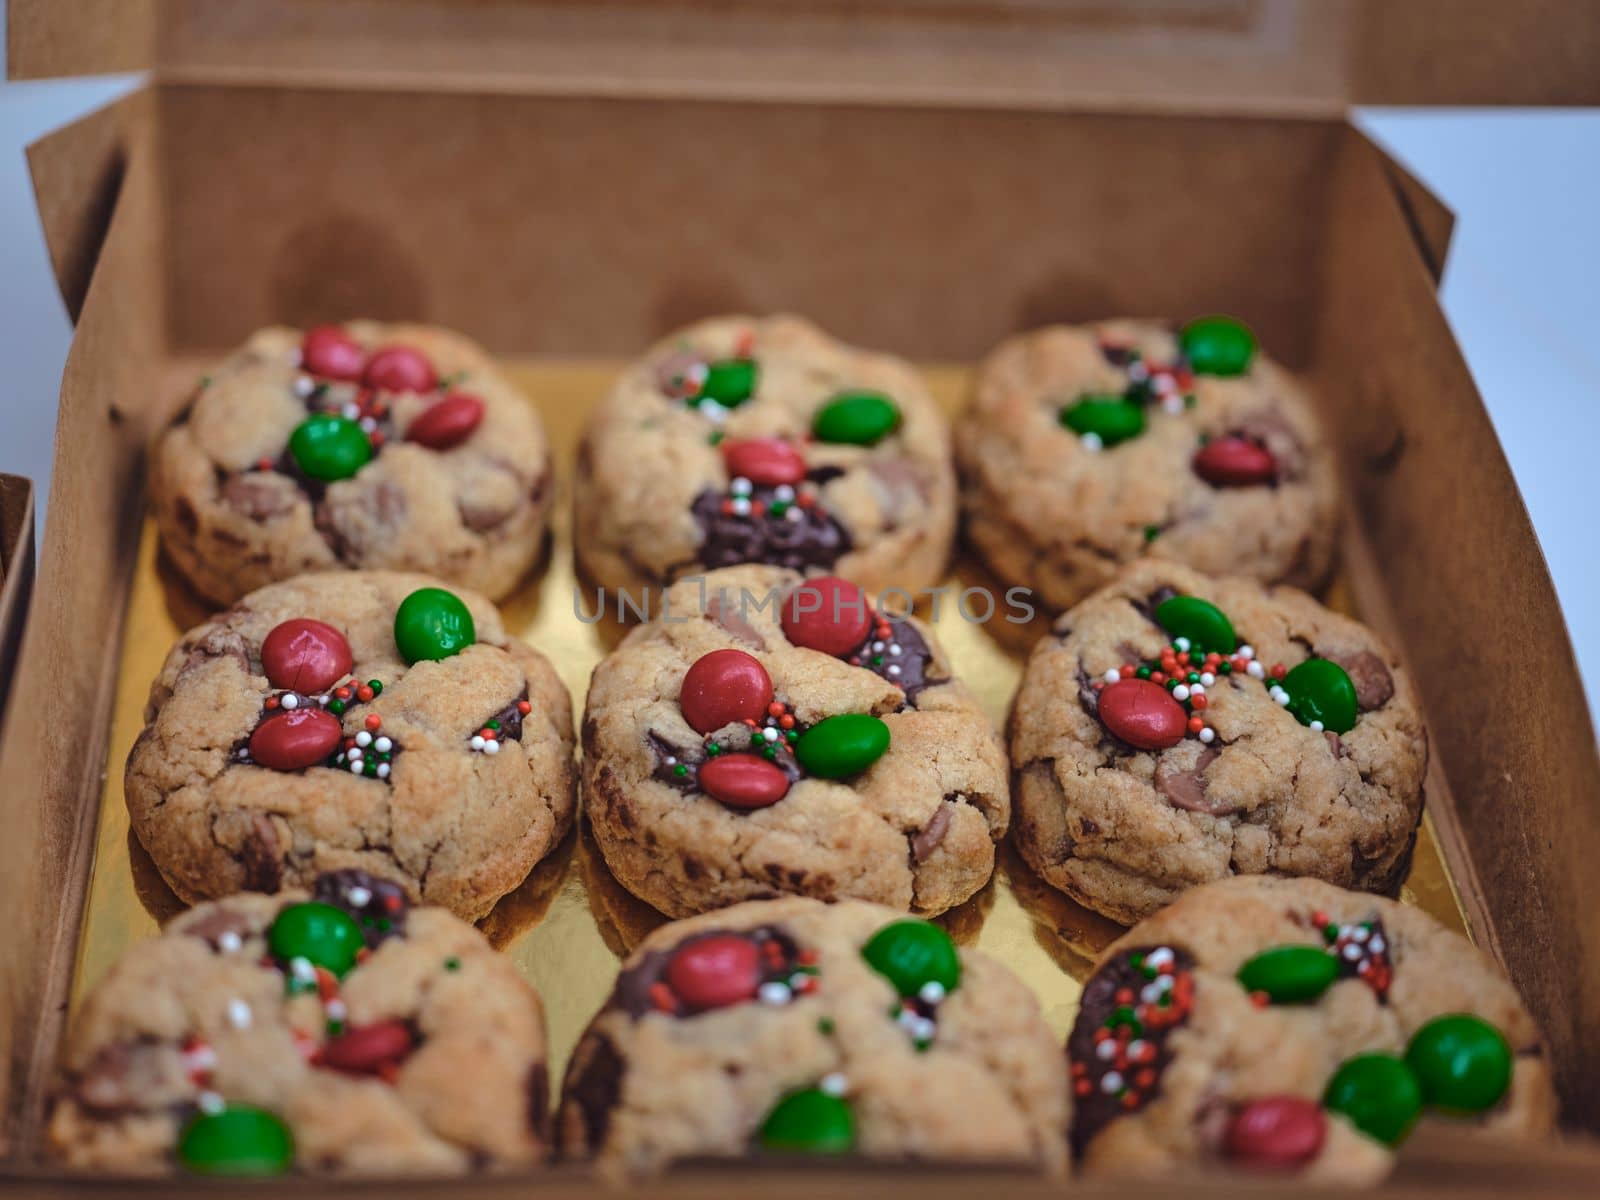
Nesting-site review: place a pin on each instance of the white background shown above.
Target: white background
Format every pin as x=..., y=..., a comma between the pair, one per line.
x=1519, y=290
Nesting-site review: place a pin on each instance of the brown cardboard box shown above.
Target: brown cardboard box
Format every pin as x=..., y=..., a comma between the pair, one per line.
x=16, y=571
x=562, y=179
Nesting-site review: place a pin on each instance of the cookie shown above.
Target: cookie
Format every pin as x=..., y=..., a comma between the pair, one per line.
x=344, y=1031
x=1088, y=447
x=798, y=1028
x=764, y=440
x=765, y=736
x=1176, y=729
x=362, y=445
x=1292, y=1025
x=365, y=719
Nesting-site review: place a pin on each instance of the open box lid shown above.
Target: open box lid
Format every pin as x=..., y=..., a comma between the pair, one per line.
x=1295, y=57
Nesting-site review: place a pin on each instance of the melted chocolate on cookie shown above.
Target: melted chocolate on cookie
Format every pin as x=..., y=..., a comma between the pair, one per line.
x=813, y=538
x=378, y=906
x=902, y=657
x=777, y=959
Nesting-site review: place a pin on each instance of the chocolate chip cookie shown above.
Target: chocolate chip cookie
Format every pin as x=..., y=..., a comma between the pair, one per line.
x=365, y=719
x=766, y=735
x=1286, y=1024
x=799, y=1028
x=1087, y=447
x=344, y=1031
x=1176, y=729
x=764, y=440
x=361, y=445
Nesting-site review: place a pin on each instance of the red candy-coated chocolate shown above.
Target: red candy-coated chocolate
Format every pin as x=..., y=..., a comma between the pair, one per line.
x=366, y=1048
x=1276, y=1131
x=743, y=781
x=332, y=353
x=828, y=614
x=400, y=369
x=722, y=687
x=301, y=737
x=765, y=461
x=446, y=422
x=714, y=972
x=1235, y=462
x=304, y=655
x=1143, y=714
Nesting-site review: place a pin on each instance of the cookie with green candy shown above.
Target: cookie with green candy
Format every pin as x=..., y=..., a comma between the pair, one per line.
x=764, y=440
x=792, y=1028
x=369, y=719
x=1178, y=728
x=254, y=1033
x=1084, y=448
x=1292, y=1026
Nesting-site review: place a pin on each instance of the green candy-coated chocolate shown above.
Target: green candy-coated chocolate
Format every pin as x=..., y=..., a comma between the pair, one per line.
x=1462, y=1062
x=911, y=954
x=729, y=381
x=843, y=745
x=1218, y=346
x=329, y=448
x=239, y=1140
x=809, y=1122
x=321, y=934
x=432, y=623
x=856, y=418
x=1320, y=690
x=1110, y=418
x=1290, y=974
x=1202, y=622
x=1379, y=1094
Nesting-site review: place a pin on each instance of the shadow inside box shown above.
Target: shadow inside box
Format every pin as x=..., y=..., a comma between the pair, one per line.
x=1072, y=935
x=153, y=891
x=187, y=607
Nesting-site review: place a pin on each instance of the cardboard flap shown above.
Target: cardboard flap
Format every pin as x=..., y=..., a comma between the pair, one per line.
x=1262, y=56
x=77, y=173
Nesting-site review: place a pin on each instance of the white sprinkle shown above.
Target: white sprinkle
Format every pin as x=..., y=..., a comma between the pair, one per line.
x=1376, y=944
x=353, y=754
x=210, y=1103
x=229, y=942
x=774, y=993
x=1352, y=952
x=368, y=425
x=1165, y=383
x=923, y=1029
x=906, y=1018
x=1107, y=1049
x=1247, y=652
x=1316, y=726
x=383, y=770
x=670, y=761
x=304, y=385
x=783, y=492
x=1092, y=443
x=239, y=1014
x=1135, y=1048
x=894, y=650
x=893, y=669
x=741, y=486
x=383, y=745
x=1182, y=644
x=741, y=506
x=834, y=1084
x=1159, y=957
x=1111, y=1082
x=1172, y=404
x=1181, y=692
x=769, y=734
x=1138, y=372
x=323, y=699
x=363, y=738
x=359, y=896
x=244, y=753
x=1361, y=933
x=355, y=767
x=302, y=969
x=476, y=743
x=1113, y=676
x=1207, y=734
x=336, y=1010
x=1282, y=698
x=491, y=747
x=795, y=514
x=698, y=373
x=1207, y=678
x=350, y=411
x=290, y=700
x=931, y=992
x=877, y=647
x=712, y=411
x=1255, y=670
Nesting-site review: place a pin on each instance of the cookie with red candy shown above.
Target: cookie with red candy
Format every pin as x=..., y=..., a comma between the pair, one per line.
x=358, y=445
x=256, y=1032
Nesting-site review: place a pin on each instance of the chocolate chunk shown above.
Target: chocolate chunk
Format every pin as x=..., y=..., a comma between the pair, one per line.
x=220, y=641
x=591, y=1090
x=378, y=905
x=539, y=1098
x=1160, y=982
x=720, y=611
x=361, y=519
x=900, y=488
x=1186, y=786
x=1117, y=355
x=212, y=927
x=1369, y=673
x=1335, y=745
x=260, y=856
x=926, y=840
x=1087, y=696
x=813, y=539
x=260, y=495
x=133, y=1076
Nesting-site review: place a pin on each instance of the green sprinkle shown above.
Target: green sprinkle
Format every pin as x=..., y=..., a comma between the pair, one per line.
x=1152, y=532
x=825, y=1027
x=715, y=437
x=384, y=924
x=680, y=770
x=492, y=725
x=336, y=707
x=376, y=685
x=1142, y=673
x=713, y=749
x=205, y=382
x=1188, y=400
x=452, y=963
x=335, y=1028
